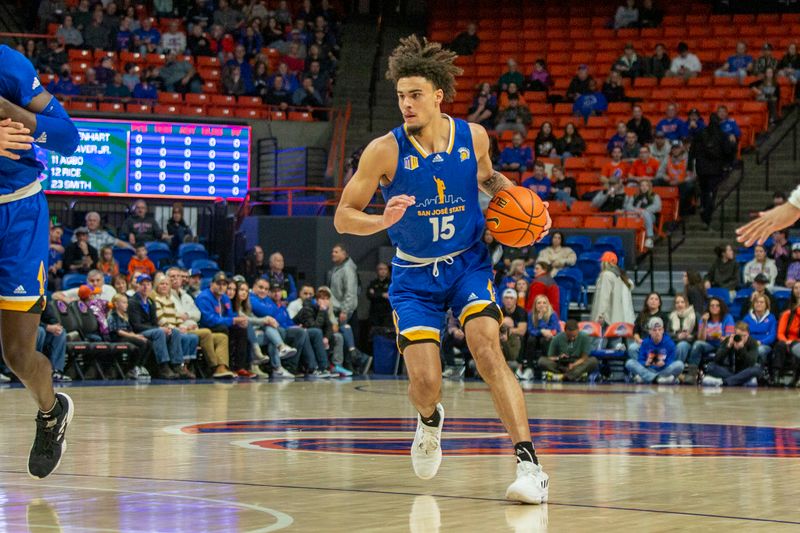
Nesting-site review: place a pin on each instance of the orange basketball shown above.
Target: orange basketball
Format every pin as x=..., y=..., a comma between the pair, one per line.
x=516, y=216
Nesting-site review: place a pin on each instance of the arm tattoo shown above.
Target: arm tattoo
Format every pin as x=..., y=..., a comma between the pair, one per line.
x=495, y=183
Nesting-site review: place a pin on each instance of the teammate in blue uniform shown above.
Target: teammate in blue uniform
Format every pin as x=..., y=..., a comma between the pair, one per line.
x=430, y=170
x=26, y=108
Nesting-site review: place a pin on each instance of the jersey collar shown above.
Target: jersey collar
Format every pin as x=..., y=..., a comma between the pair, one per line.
x=424, y=153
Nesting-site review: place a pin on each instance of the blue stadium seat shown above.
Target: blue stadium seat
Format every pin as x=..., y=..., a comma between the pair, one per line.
x=563, y=303
x=191, y=252
x=66, y=237
x=207, y=267
x=157, y=251
x=572, y=286
x=73, y=280
x=613, y=240
x=781, y=297
x=721, y=293
x=579, y=243
x=739, y=301
x=123, y=257
x=590, y=256
x=590, y=269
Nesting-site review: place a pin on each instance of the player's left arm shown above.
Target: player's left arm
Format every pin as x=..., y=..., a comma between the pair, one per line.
x=46, y=118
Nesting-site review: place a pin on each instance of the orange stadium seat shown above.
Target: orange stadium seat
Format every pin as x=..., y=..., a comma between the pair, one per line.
x=169, y=98
x=250, y=112
x=223, y=99
x=198, y=99
x=220, y=112
x=138, y=108
x=167, y=109
x=194, y=110
x=113, y=107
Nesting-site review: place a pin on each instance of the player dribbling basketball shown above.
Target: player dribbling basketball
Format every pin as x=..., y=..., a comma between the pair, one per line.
x=430, y=170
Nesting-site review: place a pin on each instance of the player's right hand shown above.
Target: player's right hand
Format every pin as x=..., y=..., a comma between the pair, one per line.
x=13, y=136
x=396, y=208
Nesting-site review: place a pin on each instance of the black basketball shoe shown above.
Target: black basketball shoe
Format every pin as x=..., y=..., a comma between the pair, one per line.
x=50, y=443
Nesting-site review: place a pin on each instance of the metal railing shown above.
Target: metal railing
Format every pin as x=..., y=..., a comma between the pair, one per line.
x=722, y=199
x=672, y=247
x=649, y=273
x=764, y=156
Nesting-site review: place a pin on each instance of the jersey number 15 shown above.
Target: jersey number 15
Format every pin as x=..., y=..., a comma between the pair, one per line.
x=443, y=228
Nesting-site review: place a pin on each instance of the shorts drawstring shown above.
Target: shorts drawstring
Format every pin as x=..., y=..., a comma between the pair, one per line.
x=418, y=262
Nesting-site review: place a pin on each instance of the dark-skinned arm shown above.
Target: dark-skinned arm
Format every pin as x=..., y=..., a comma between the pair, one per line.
x=51, y=126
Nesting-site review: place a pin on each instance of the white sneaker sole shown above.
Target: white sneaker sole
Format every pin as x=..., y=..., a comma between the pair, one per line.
x=519, y=496
x=70, y=412
x=438, y=459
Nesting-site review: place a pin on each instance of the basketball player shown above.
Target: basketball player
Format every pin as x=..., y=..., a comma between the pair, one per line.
x=768, y=222
x=25, y=107
x=430, y=170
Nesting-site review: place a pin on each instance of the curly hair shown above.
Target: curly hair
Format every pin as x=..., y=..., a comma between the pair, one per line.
x=427, y=60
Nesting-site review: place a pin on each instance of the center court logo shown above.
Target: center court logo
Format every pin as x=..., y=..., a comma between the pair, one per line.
x=486, y=436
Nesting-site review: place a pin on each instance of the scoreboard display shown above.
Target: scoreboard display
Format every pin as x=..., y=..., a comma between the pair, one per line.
x=139, y=158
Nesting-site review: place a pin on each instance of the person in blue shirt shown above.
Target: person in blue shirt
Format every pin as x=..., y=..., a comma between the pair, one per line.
x=590, y=103
x=738, y=65
x=239, y=59
x=147, y=38
x=64, y=86
x=763, y=326
x=144, y=90
x=673, y=127
x=29, y=115
x=516, y=156
x=728, y=125
x=694, y=123
x=543, y=325
x=656, y=361
x=539, y=182
x=618, y=139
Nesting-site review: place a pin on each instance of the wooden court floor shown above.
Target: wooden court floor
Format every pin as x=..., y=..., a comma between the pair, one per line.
x=333, y=456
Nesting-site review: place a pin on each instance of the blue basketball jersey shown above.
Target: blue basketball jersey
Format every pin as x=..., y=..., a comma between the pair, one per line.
x=19, y=84
x=447, y=216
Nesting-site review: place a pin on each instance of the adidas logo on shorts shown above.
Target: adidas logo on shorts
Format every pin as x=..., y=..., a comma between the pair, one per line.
x=20, y=290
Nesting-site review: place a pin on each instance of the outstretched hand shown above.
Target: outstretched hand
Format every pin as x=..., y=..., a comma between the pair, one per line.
x=396, y=208
x=13, y=136
x=768, y=222
x=548, y=224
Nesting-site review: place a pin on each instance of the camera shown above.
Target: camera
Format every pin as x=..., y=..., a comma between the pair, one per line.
x=737, y=338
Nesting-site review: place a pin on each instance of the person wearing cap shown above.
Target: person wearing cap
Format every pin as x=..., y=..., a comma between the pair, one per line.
x=143, y=319
x=694, y=123
x=612, y=198
x=655, y=361
x=735, y=362
x=640, y=125
x=194, y=282
x=579, y=83
x=672, y=171
x=765, y=61
x=628, y=65
x=671, y=125
x=217, y=314
x=761, y=265
x=659, y=148
x=613, y=301
x=514, y=117
x=685, y=65
x=568, y=356
x=514, y=326
x=739, y=65
x=80, y=256
x=279, y=350
x=652, y=308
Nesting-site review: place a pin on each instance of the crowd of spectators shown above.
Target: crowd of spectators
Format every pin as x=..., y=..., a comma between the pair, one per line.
x=236, y=32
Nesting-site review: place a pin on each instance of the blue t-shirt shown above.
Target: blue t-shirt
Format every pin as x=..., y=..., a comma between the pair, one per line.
x=521, y=155
x=729, y=126
x=142, y=92
x=616, y=140
x=674, y=128
x=692, y=131
x=152, y=36
x=651, y=352
x=539, y=186
x=737, y=62
x=64, y=86
x=588, y=103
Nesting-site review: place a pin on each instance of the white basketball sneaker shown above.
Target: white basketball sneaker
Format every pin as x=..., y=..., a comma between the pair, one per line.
x=531, y=485
x=426, y=451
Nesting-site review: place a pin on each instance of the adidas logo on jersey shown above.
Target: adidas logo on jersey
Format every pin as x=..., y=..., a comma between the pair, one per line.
x=36, y=83
x=42, y=138
x=437, y=159
x=20, y=290
x=472, y=296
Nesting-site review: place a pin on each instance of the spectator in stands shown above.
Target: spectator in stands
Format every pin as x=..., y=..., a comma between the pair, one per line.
x=579, y=84
x=631, y=149
x=380, y=310
x=538, y=182
x=516, y=157
x=197, y=43
x=658, y=65
x=735, y=362
x=512, y=75
x=174, y=40
x=147, y=39
x=55, y=258
x=763, y=326
x=56, y=56
x=568, y=356
x=52, y=341
x=131, y=76
x=515, y=117
x=514, y=326
x=105, y=71
x=685, y=65
x=145, y=90
x=766, y=89
x=627, y=16
x=694, y=289
x=99, y=237
x=651, y=308
x=540, y=79
x=213, y=344
x=96, y=34
x=647, y=204
x=293, y=57
x=278, y=95
x=71, y=36
x=261, y=80
x=483, y=110
x=141, y=226
x=765, y=60
x=545, y=142
x=674, y=173
x=650, y=16
x=515, y=273
x=682, y=325
x=612, y=198
x=781, y=253
x=557, y=255
x=543, y=283
x=613, y=301
x=319, y=314
x=590, y=103
x=82, y=14
x=140, y=263
x=628, y=65
x=543, y=326
x=615, y=168
x=571, y=144
x=307, y=95
x=793, y=269
x=167, y=314
x=789, y=65
x=660, y=147
x=715, y=324
x=232, y=81
x=280, y=279
x=709, y=155
x=242, y=306
x=739, y=65
x=787, y=346
x=80, y=256
x=140, y=349
x=143, y=320
x=694, y=123
x=671, y=125
x=760, y=264
x=656, y=361
x=180, y=76
x=229, y=18
x=106, y=262
x=282, y=14
x=178, y=230
x=759, y=287
x=466, y=42
x=344, y=283
x=644, y=167
x=117, y=89
x=199, y=14
x=728, y=125
x=618, y=139
x=290, y=81
x=124, y=38
x=613, y=89
x=263, y=308
x=255, y=265
x=230, y=291
x=90, y=86
x=724, y=272
x=564, y=188
x=320, y=80
x=94, y=278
